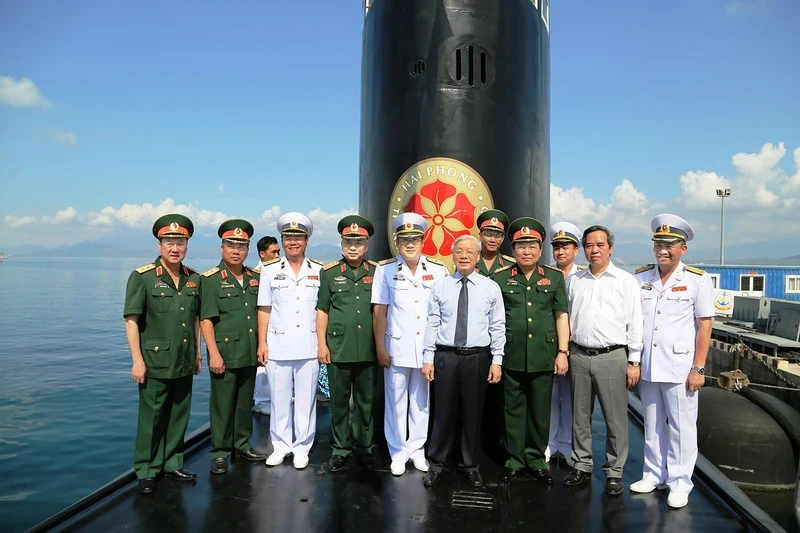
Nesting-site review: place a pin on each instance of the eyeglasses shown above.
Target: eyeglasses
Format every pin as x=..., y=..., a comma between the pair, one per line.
x=491, y=235
x=465, y=253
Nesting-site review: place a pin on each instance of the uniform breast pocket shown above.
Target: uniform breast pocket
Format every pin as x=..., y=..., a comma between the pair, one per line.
x=156, y=353
x=276, y=338
x=341, y=294
x=194, y=298
x=544, y=296
x=163, y=300
x=647, y=303
x=281, y=292
x=678, y=303
x=311, y=289
x=512, y=294
x=229, y=300
x=400, y=293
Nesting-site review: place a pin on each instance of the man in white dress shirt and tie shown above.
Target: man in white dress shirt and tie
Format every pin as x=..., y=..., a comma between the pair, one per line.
x=287, y=341
x=565, y=240
x=464, y=340
x=605, y=317
x=678, y=306
x=400, y=293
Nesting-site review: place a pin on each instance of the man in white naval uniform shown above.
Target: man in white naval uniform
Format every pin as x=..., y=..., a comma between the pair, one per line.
x=677, y=308
x=565, y=240
x=400, y=293
x=287, y=341
x=268, y=250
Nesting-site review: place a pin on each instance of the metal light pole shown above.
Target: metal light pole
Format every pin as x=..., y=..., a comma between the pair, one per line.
x=722, y=193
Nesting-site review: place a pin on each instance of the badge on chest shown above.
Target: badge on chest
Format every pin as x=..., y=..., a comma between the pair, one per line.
x=682, y=288
x=543, y=281
x=161, y=285
x=313, y=277
x=279, y=277
x=427, y=277
x=340, y=280
x=647, y=286
x=191, y=284
x=399, y=277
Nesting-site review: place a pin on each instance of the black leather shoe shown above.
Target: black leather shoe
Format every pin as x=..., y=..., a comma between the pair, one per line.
x=542, y=475
x=181, y=475
x=147, y=485
x=368, y=461
x=614, y=486
x=335, y=463
x=219, y=465
x=510, y=474
x=576, y=477
x=432, y=478
x=252, y=455
x=473, y=478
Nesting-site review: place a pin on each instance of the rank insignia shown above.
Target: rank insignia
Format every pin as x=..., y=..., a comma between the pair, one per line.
x=682, y=288
x=226, y=285
x=339, y=279
x=368, y=279
x=190, y=284
x=159, y=271
x=543, y=281
x=162, y=285
x=313, y=277
x=427, y=277
x=512, y=282
x=647, y=286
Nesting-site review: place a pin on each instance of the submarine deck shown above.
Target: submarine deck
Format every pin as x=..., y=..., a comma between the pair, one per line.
x=252, y=497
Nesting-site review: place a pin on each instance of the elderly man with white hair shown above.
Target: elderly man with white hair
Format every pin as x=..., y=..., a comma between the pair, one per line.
x=464, y=341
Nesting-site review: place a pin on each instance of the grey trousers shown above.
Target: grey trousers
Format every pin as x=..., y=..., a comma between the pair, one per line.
x=603, y=376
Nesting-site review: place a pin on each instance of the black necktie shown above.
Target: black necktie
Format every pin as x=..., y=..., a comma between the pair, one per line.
x=461, y=318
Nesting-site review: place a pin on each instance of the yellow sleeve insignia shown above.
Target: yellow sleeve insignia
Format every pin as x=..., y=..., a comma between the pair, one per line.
x=330, y=265
x=695, y=270
x=209, y=273
x=645, y=268
x=189, y=270
x=145, y=268
x=257, y=269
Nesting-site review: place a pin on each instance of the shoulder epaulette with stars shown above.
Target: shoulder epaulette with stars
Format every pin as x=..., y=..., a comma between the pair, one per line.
x=645, y=268
x=330, y=265
x=257, y=269
x=146, y=268
x=582, y=267
x=373, y=263
x=434, y=261
x=250, y=270
x=387, y=261
x=551, y=267
x=508, y=258
x=211, y=272
x=507, y=267
x=189, y=270
x=271, y=261
x=695, y=270
x=315, y=261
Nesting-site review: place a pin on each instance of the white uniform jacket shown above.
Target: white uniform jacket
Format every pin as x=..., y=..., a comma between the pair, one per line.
x=407, y=296
x=292, y=333
x=670, y=326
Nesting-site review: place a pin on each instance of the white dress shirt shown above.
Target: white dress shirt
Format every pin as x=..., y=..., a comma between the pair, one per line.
x=407, y=295
x=292, y=332
x=606, y=310
x=486, y=315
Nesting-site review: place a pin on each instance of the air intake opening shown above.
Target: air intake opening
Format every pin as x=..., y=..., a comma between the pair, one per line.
x=418, y=68
x=471, y=65
x=458, y=64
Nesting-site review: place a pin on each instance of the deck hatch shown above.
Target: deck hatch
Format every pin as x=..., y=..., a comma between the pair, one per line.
x=479, y=501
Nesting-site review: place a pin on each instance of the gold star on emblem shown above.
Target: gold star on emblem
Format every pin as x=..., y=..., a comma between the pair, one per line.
x=495, y=221
x=409, y=225
x=354, y=227
x=237, y=232
x=664, y=228
x=293, y=224
x=560, y=233
x=525, y=230
x=174, y=226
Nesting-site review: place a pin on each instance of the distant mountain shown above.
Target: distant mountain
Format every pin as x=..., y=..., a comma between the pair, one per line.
x=758, y=253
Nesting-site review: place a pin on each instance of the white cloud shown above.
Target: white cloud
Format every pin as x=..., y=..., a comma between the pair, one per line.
x=792, y=185
x=628, y=198
x=699, y=189
x=221, y=188
x=22, y=93
x=571, y=205
x=325, y=223
x=16, y=222
x=66, y=137
x=62, y=217
x=143, y=215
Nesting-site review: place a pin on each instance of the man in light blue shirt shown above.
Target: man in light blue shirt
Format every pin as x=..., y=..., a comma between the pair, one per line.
x=463, y=349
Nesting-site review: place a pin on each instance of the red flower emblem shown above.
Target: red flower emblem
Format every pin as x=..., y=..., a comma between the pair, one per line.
x=449, y=214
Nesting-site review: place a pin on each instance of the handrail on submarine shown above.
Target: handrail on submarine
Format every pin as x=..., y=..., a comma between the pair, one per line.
x=712, y=477
x=194, y=439
x=721, y=485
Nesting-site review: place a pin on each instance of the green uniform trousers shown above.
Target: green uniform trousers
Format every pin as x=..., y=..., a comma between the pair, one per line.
x=230, y=403
x=526, y=402
x=363, y=378
x=164, y=407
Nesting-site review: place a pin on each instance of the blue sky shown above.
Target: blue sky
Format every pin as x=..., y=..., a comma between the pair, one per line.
x=109, y=110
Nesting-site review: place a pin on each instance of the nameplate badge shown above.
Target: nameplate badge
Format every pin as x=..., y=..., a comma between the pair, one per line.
x=512, y=281
x=162, y=285
x=226, y=285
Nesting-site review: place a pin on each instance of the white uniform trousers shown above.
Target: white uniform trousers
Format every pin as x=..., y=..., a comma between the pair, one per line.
x=560, y=440
x=300, y=377
x=407, y=403
x=670, y=434
x=262, y=386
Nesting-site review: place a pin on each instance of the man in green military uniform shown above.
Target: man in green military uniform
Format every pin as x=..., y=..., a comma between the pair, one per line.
x=492, y=225
x=162, y=300
x=228, y=321
x=346, y=342
x=537, y=341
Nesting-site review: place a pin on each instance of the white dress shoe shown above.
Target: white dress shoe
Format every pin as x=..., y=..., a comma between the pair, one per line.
x=275, y=459
x=300, y=461
x=547, y=455
x=420, y=464
x=676, y=500
x=397, y=468
x=643, y=487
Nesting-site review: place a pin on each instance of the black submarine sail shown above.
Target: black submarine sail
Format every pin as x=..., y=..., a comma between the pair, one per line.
x=455, y=115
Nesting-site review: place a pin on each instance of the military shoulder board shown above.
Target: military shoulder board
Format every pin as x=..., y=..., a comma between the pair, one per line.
x=551, y=267
x=209, y=273
x=508, y=258
x=330, y=265
x=502, y=269
x=387, y=261
x=695, y=270
x=189, y=271
x=373, y=263
x=434, y=261
x=315, y=261
x=645, y=268
x=145, y=268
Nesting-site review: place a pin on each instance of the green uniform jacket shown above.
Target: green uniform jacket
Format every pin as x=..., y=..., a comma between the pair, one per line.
x=530, y=320
x=166, y=318
x=345, y=294
x=233, y=309
x=499, y=262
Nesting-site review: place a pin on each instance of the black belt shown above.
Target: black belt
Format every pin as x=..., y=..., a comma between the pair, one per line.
x=462, y=351
x=598, y=351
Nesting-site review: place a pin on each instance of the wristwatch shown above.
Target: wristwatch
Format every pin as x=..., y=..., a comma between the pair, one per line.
x=699, y=369
x=634, y=364
x=565, y=352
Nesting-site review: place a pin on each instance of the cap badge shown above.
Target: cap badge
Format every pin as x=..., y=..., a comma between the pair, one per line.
x=409, y=225
x=664, y=228
x=353, y=227
x=293, y=224
x=174, y=226
x=525, y=230
x=237, y=232
x=560, y=233
x=495, y=221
